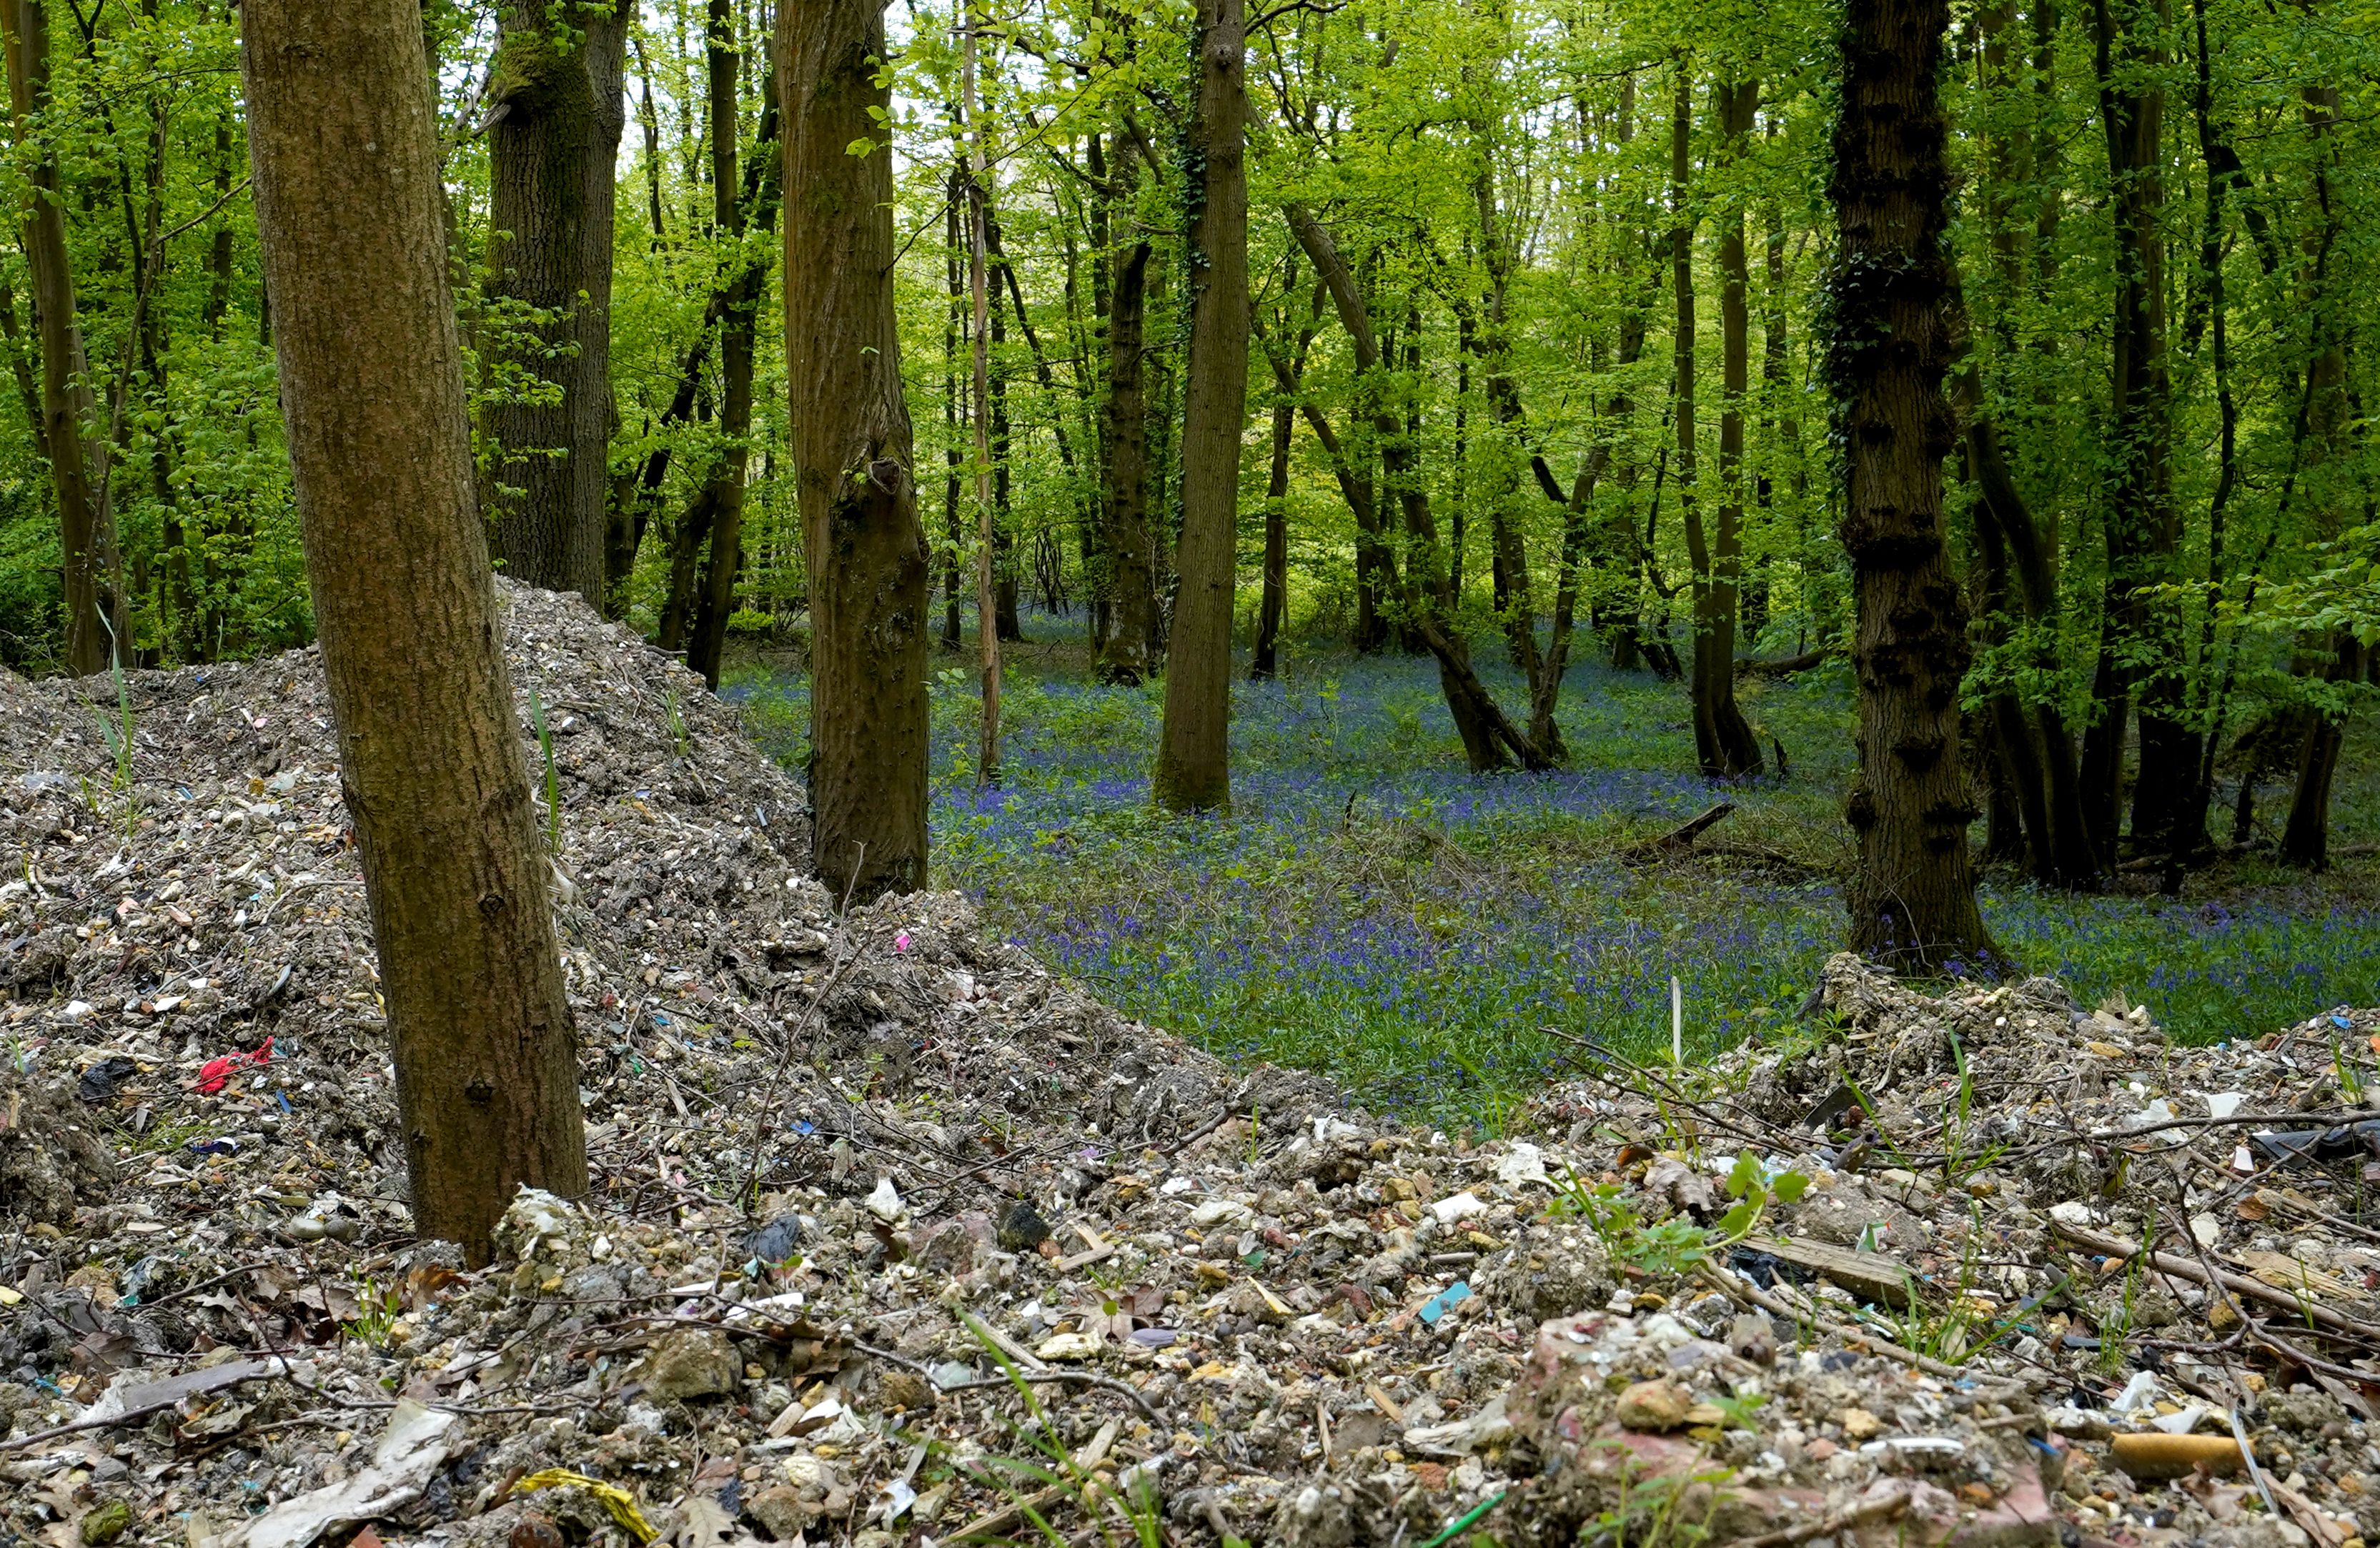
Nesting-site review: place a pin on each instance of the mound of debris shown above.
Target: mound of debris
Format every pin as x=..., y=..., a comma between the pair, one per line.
x=894, y=1239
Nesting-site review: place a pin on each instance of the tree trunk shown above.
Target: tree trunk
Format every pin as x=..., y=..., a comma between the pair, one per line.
x=1724, y=746
x=551, y=157
x=1911, y=897
x=97, y=611
x=1485, y=731
x=987, y=607
x=2329, y=411
x=851, y=442
x=1736, y=749
x=1274, y=605
x=1125, y=655
x=430, y=748
x=954, y=456
x=738, y=301
x=1194, y=747
x=2143, y=523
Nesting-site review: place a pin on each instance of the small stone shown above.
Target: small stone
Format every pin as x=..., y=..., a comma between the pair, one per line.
x=1068, y=1346
x=1752, y=1338
x=1021, y=1228
x=535, y=1531
x=1652, y=1406
x=906, y=1389
x=780, y=1510
x=885, y=1201
x=106, y=1524
x=1859, y=1424
x=690, y=1363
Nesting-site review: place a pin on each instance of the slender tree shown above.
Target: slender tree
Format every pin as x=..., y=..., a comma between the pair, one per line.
x=1912, y=895
x=738, y=303
x=854, y=460
x=1194, y=747
x=987, y=601
x=97, y=613
x=343, y=142
x=556, y=108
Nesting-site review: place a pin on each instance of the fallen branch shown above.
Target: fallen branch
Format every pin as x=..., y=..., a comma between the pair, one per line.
x=2237, y=1284
x=1123, y=1389
x=1752, y=1295
x=1676, y=840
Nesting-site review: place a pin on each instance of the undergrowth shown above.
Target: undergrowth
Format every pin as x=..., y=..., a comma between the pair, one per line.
x=1371, y=910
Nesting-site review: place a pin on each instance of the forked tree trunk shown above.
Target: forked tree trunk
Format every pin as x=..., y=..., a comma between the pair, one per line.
x=1193, y=745
x=93, y=591
x=552, y=149
x=430, y=747
x=854, y=457
x=1912, y=894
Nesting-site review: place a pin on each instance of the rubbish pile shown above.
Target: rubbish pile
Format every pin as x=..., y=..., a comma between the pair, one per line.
x=897, y=1239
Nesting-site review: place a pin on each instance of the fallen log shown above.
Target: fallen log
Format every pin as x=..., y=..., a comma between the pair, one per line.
x=1781, y=666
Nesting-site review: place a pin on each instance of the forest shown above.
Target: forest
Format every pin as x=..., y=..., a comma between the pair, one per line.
x=1176, y=771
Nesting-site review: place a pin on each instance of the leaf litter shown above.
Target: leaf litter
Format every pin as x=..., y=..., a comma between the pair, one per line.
x=895, y=1238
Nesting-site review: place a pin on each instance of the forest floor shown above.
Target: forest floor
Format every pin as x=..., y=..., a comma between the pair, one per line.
x=1372, y=910
x=897, y=1238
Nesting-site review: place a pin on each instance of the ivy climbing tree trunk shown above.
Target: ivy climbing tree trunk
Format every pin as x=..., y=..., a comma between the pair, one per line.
x=853, y=453
x=1193, y=745
x=1912, y=894
x=430, y=747
x=556, y=107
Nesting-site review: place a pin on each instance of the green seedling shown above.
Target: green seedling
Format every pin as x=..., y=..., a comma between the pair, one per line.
x=552, y=781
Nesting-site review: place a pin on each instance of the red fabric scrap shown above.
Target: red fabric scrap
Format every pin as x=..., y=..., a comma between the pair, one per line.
x=217, y=1071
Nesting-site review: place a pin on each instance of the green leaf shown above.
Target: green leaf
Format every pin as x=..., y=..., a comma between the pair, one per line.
x=863, y=146
x=1744, y=1180
x=1789, y=1187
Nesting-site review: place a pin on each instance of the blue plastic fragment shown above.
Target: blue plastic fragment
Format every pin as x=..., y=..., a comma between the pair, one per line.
x=1445, y=1300
x=282, y=1097
x=2342, y=1022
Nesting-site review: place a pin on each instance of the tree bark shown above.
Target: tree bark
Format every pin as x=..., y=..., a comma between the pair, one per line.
x=552, y=152
x=1912, y=896
x=1724, y=746
x=738, y=301
x=1124, y=656
x=2141, y=521
x=1487, y=732
x=1274, y=605
x=97, y=611
x=1194, y=746
x=854, y=457
x=987, y=607
x=343, y=142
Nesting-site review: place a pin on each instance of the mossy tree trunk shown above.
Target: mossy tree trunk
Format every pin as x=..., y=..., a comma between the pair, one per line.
x=853, y=456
